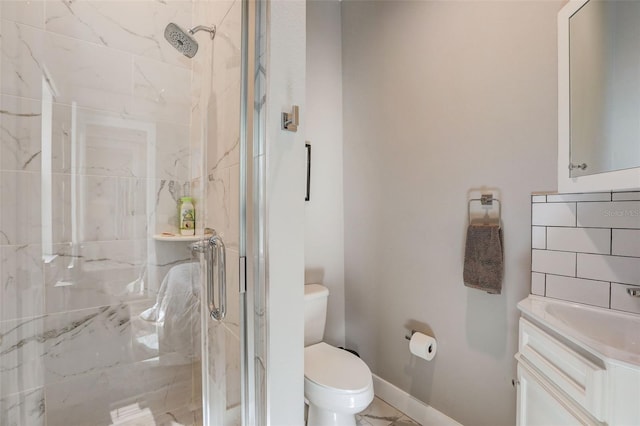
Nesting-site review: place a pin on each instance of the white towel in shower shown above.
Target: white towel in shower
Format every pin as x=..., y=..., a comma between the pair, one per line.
x=176, y=313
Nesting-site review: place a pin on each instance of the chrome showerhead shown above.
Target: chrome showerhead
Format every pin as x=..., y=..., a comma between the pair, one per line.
x=182, y=41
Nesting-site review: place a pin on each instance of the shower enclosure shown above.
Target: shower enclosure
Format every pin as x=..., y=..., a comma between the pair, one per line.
x=104, y=125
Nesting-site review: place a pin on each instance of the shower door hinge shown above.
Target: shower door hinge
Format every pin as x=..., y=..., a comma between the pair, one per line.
x=243, y=274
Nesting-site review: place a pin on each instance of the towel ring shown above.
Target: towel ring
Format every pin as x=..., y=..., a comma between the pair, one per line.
x=485, y=200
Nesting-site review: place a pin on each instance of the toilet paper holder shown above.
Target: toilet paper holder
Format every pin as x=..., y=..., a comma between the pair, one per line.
x=409, y=336
x=424, y=346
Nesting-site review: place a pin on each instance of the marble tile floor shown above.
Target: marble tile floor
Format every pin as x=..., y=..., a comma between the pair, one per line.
x=183, y=416
x=379, y=413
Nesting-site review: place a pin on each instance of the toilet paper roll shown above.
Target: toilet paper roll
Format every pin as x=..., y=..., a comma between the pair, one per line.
x=423, y=346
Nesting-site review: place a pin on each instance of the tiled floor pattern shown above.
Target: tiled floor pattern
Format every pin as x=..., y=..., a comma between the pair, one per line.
x=184, y=416
x=379, y=413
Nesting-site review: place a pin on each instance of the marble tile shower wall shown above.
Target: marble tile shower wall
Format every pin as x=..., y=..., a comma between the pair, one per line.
x=586, y=248
x=217, y=174
x=95, y=115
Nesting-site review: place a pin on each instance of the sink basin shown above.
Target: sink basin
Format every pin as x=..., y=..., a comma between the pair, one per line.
x=606, y=333
x=616, y=331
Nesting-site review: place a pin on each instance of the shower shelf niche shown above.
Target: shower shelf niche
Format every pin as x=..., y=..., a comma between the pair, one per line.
x=178, y=238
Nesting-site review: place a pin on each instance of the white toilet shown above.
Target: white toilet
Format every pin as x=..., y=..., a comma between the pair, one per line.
x=337, y=384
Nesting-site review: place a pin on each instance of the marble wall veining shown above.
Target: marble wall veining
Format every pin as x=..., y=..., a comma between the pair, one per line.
x=95, y=132
x=216, y=179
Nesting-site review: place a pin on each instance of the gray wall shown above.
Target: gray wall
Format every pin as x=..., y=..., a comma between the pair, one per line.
x=284, y=174
x=324, y=212
x=441, y=98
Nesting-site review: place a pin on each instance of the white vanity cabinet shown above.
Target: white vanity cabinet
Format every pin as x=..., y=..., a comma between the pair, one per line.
x=562, y=383
x=539, y=404
x=557, y=385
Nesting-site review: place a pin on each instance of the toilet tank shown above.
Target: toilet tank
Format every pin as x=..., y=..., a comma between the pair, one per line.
x=315, y=312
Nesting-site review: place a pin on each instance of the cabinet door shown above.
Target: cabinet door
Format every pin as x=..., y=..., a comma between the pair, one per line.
x=597, y=100
x=582, y=381
x=541, y=405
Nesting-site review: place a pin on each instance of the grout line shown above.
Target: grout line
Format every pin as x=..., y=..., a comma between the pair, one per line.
x=578, y=227
x=574, y=301
x=572, y=227
x=578, y=278
x=611, y=242
x=562, y=251
x=531, y=251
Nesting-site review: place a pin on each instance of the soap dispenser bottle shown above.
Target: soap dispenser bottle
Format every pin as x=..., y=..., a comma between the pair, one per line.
x=187, y=216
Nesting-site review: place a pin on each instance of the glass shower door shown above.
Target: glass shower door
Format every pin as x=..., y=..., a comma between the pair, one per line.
x=216, y=134
x=104, y=126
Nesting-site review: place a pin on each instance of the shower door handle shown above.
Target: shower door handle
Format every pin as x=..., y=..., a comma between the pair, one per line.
x=218, y=251
x=215, y=257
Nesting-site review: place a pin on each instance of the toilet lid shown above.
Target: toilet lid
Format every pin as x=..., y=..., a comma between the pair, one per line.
x=335, y=368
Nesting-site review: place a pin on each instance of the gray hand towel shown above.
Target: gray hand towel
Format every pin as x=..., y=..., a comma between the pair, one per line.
x=483, y=258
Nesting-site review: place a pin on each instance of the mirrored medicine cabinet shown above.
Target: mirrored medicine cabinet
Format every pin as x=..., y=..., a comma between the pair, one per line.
x=599, y=96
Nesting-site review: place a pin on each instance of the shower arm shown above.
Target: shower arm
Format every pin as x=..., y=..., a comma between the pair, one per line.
x=210, y=30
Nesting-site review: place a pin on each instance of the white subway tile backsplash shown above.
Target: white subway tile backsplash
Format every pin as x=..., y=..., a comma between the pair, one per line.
x=589, y=251
x=538, y=237
x=556, y=214
x=626, y=196
x=578, y=290
x=553, y=262
x=625, y=242
x=582, y=240
x=537, y=283
x=592, y=196
x=622, y=301
x=614, y=214
x=609, y=268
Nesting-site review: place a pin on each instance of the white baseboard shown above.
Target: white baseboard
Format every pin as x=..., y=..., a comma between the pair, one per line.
x=412, y=407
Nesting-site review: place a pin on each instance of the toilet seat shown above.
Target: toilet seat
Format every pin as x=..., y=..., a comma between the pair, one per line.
x=336, y=369
x=336, y=380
